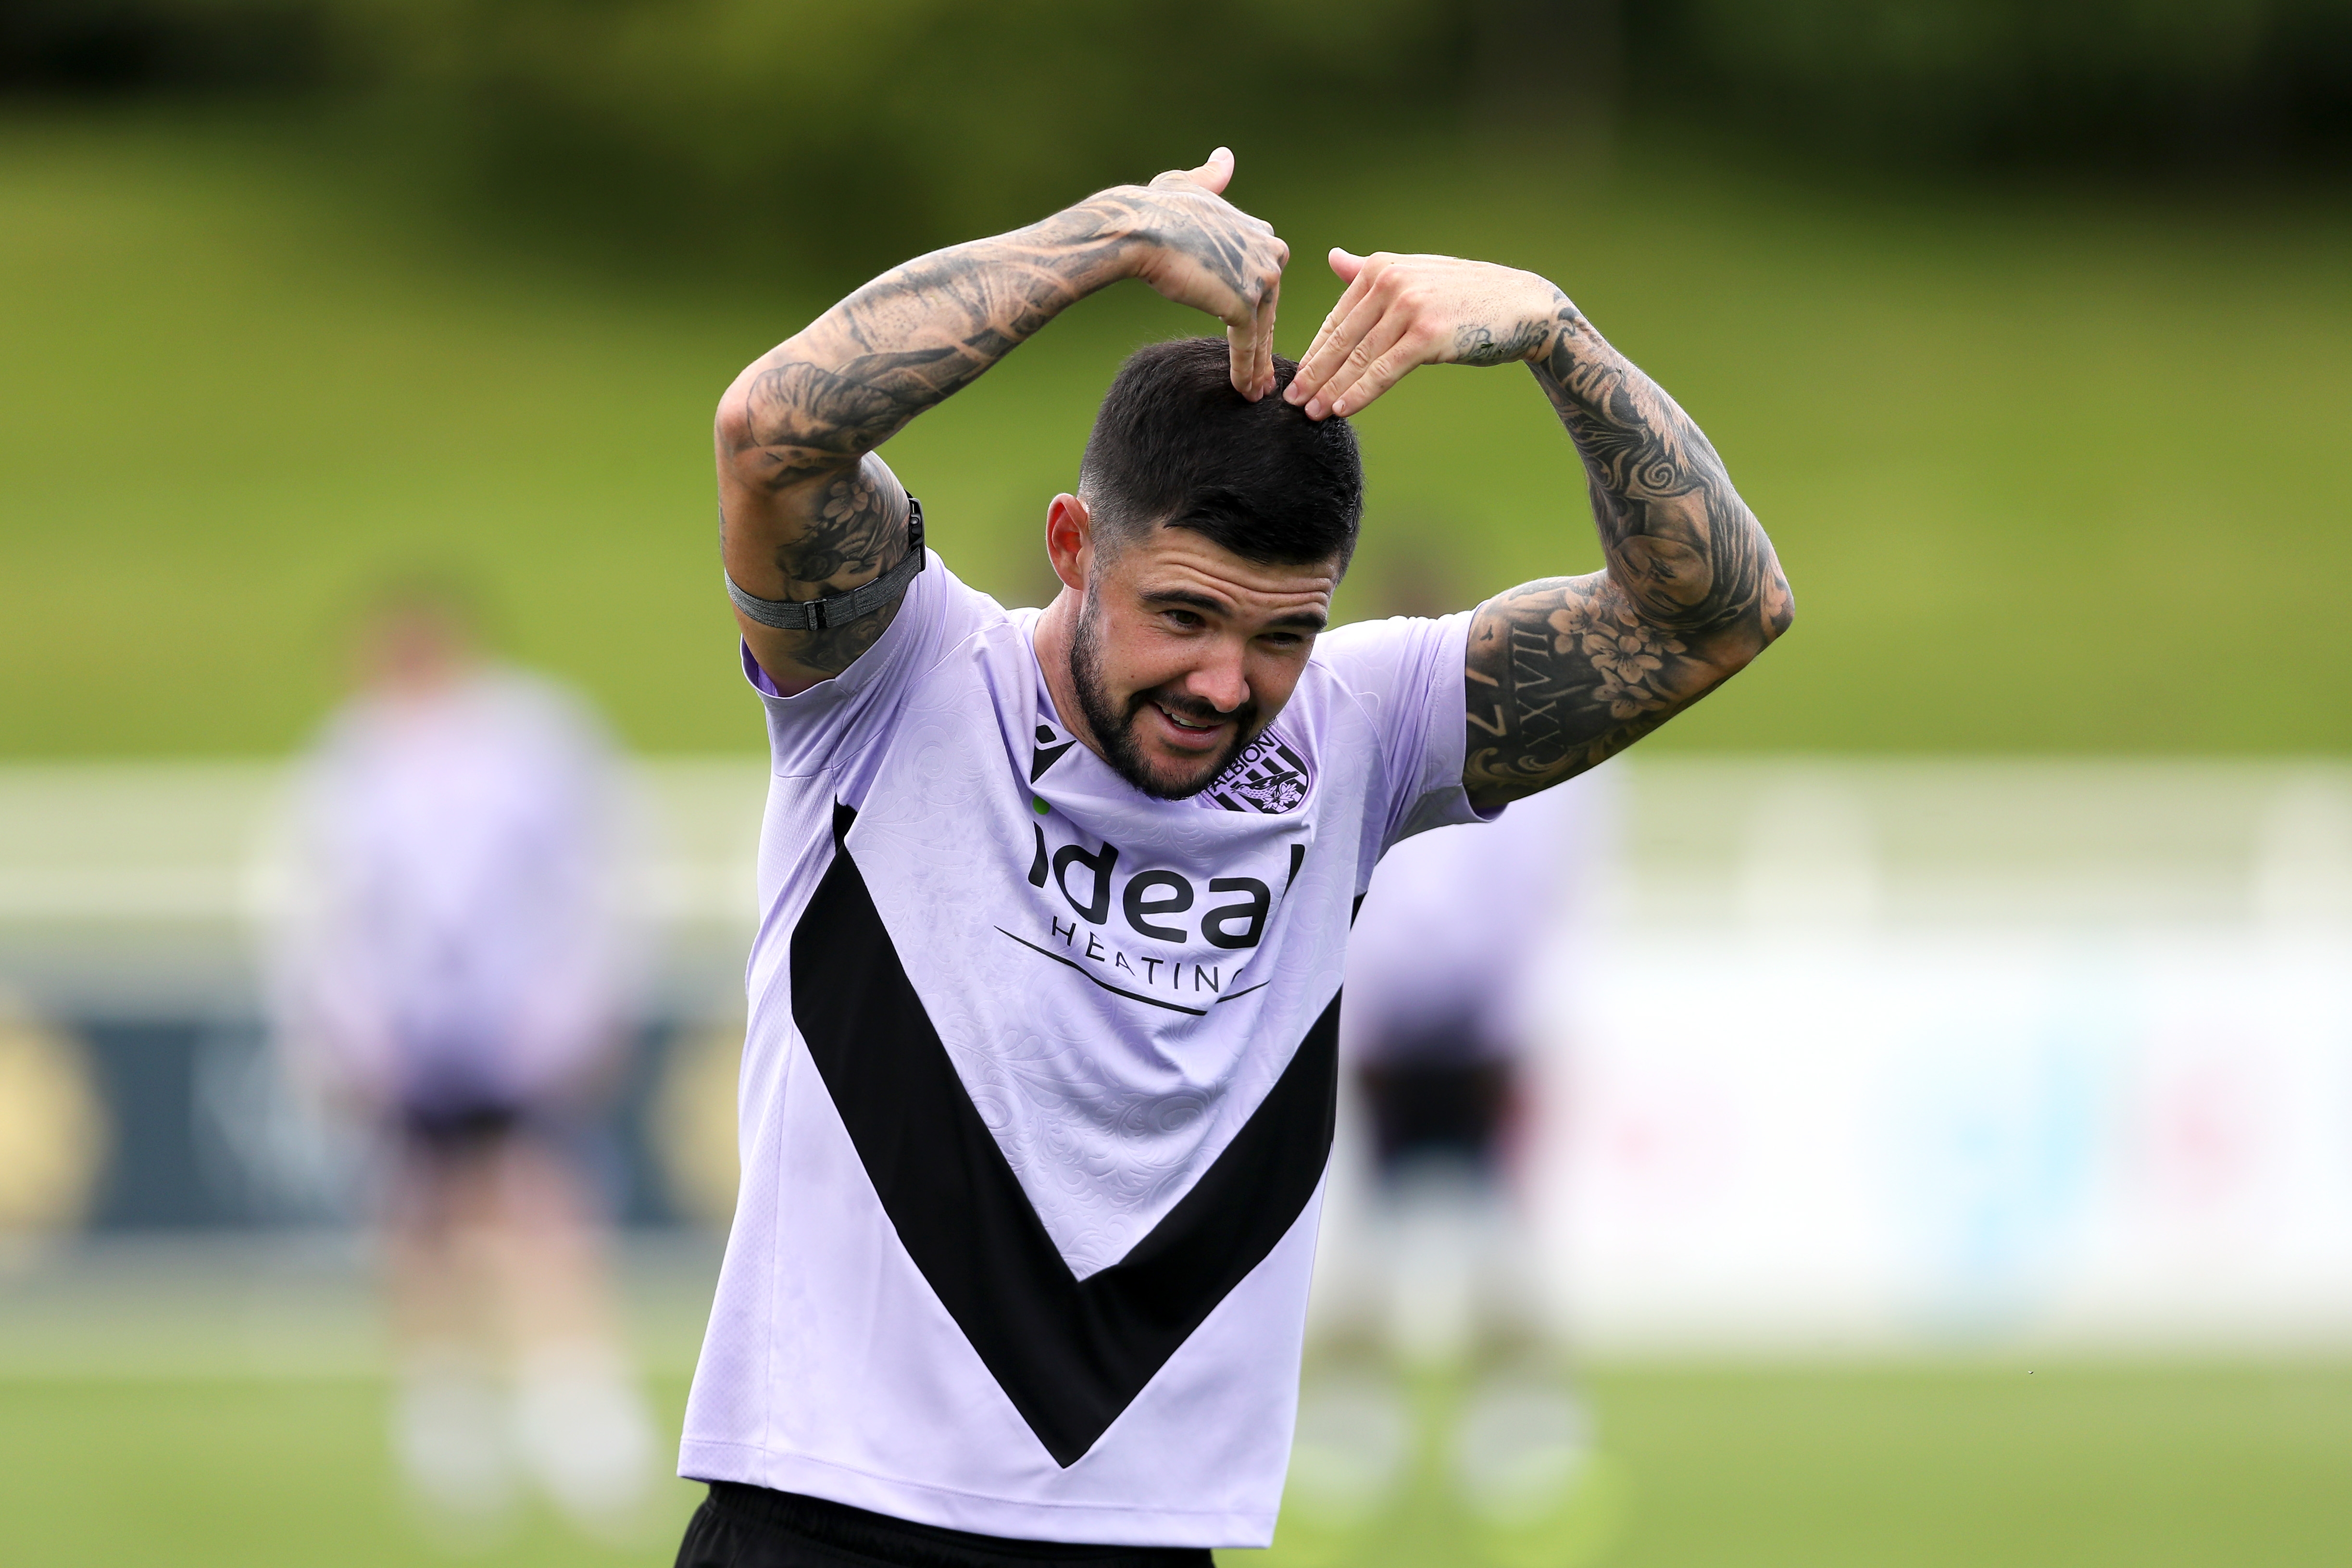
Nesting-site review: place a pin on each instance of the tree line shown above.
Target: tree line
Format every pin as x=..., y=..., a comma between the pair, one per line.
x=850, y=130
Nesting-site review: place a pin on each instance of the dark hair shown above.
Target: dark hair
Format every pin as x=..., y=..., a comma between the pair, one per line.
x=1175, y=446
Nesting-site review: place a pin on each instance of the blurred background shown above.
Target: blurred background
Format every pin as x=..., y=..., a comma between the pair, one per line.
x=1934, y=1132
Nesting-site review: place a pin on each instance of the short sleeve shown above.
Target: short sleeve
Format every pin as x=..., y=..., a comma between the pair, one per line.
x=833, y=721
x=1406, y=675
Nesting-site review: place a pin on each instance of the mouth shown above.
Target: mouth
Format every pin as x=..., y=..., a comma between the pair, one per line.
x=1188, y=734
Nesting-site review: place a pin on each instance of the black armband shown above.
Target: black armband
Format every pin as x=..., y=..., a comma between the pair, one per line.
x=838, y=609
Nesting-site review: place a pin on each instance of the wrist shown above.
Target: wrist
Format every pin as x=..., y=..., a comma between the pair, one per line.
x=1116, y=226
x=1560, y=323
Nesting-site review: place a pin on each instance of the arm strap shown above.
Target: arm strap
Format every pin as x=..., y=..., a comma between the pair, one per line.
x=838, y=609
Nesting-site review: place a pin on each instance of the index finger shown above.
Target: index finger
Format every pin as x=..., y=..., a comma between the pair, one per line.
x=1266, y=312
x=1249, y=346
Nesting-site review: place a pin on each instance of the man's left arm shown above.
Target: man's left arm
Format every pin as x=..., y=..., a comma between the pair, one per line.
x=1565, y=672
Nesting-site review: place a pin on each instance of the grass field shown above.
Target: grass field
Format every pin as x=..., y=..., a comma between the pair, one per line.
x=191, y=1402
x=2051, y=474
x=2065, y=1467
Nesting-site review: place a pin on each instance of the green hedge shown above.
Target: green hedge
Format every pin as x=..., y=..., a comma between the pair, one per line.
x=846, y=131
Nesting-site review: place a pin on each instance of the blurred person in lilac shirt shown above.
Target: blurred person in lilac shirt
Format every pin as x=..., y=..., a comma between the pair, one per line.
x=455, y=969
x=1454, y=983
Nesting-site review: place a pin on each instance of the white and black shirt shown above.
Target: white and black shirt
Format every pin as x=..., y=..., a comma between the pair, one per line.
x=1038, y=1090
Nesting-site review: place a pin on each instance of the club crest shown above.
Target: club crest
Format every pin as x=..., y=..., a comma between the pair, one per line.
x=1267, y=777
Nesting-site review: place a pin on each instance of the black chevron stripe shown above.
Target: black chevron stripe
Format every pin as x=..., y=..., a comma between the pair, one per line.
x=1070, y=1354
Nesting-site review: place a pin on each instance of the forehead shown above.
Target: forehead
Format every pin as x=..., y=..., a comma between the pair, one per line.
x=1180, y=560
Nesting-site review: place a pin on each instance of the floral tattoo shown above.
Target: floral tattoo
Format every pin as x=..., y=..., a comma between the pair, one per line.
x=1565, y=672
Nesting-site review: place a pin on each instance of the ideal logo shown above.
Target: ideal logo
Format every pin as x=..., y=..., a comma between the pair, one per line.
x=1156, y=903
x=1267, y=777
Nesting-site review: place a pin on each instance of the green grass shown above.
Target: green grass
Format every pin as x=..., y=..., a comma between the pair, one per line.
x=2066, y=1466
x=2049, y=474
x=186, y=1473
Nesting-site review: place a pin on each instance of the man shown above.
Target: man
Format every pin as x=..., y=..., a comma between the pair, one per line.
x=1038, y=1090
x=454, y=971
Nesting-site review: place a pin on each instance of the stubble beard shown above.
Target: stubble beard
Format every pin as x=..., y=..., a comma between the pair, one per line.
x=1115, y=730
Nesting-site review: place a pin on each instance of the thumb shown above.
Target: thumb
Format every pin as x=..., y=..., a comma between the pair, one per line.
x=1213, y=175
x=1346, y=265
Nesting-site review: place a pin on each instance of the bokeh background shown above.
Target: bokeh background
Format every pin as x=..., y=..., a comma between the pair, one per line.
x=1951, y=1153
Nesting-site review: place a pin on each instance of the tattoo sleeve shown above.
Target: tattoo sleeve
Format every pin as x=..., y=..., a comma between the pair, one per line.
x=1566, y=672
x=805, y=509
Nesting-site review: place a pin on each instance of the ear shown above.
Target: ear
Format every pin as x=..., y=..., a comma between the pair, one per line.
x=1070, y=540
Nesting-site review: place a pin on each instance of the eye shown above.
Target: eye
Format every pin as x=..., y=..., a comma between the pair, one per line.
x=1186, y=620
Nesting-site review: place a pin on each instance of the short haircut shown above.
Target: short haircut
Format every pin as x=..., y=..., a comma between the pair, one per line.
x=1174, y=445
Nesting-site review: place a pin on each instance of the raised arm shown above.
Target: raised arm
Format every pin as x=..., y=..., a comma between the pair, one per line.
x=1565, y=672
x=807, y=510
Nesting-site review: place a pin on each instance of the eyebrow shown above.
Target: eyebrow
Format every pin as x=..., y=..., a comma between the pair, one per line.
x=1312, y=620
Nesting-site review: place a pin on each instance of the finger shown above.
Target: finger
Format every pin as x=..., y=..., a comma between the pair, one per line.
x=1378, y=376
x=1356, y=314
x=1249, y=344
x=1268, y=308
x=1383, y=337
x=1241, y=355
x=1266, y=312
x=1346, y=265
x=1333, y=339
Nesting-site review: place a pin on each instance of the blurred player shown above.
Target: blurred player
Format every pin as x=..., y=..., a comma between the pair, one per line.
x=1454, y=975
x=456, y=971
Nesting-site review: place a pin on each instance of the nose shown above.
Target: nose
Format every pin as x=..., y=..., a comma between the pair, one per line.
x=1220, y=680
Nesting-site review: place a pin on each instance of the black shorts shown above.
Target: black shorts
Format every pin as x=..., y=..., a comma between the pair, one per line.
x=1450, y=1108
x=465, y=1130
x=752, y=1527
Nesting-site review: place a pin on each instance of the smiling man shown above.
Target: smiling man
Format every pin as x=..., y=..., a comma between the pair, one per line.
x=1038, y=1084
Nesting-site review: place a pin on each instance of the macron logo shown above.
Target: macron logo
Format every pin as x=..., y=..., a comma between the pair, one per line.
x=1047, y=753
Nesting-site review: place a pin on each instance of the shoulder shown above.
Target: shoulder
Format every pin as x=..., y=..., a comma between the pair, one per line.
x=950, y=646
x=1378, y=662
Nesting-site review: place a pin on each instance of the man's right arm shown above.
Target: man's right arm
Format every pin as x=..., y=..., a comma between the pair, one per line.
x=806, y=510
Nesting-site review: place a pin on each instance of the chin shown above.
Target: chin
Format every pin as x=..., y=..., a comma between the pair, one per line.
x=1172, y=786
x=1174, y=778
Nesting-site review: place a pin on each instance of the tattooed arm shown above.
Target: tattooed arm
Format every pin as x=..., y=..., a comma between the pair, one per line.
x=806, y=510
x=1565, y=672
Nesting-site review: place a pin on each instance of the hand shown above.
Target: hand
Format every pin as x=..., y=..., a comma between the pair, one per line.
x=1204, y=252
x=1401, y=311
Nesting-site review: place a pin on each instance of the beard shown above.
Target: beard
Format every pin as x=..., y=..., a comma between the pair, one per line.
x=1114, y=727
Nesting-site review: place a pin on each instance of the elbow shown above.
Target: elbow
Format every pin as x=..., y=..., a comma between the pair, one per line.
x=1777, y=610
x=732, y=427
x=746, y=452
x=1779, y=613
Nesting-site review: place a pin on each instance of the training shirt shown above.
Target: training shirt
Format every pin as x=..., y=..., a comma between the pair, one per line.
x=456, y=863
x=1038, y=1088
